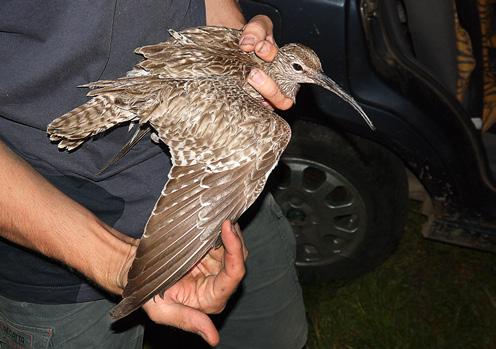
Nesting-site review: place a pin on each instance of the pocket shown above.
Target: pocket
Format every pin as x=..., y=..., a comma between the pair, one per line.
x=13, y=335
x=274, y=206
x=284, y=229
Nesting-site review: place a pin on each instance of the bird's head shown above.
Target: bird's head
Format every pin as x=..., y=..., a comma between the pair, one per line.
x=297, y=64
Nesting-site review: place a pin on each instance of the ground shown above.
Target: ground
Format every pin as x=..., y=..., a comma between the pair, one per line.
x=427, y=295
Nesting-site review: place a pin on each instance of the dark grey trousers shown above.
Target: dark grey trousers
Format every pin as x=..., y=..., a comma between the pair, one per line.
x=266, y=312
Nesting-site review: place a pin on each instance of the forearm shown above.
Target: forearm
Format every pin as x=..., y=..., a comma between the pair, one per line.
x=225, y=13
x=36, y=215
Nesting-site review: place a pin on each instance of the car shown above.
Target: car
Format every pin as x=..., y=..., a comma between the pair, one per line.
x=344, y=188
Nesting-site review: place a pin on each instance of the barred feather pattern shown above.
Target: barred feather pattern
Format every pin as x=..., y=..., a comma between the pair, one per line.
x=224, y=143
x=222, y=155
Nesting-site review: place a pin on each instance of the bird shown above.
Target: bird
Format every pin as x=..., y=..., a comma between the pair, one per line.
x=224, y=141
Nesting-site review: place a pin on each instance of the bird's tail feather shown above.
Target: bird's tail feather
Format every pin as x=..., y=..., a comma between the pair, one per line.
x=140, y=133
x=95, y=116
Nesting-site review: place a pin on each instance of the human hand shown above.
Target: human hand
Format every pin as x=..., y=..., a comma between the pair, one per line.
x=204, y=290
x=257, y=36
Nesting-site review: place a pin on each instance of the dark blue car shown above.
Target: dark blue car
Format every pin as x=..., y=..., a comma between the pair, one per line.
x=343, y=187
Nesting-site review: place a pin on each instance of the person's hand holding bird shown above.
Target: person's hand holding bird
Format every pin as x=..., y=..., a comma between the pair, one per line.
x=224, y=140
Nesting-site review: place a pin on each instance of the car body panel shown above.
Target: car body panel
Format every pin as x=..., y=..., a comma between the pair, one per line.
x=362, y=49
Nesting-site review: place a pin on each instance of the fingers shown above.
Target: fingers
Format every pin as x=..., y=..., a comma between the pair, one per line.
x=185, y=318
x=230, y=276
x=212, y=292
x=213, y=262
x=269, y=89
x=240, y=235
x=266, y=50
x=234, y=265
x=257, y=36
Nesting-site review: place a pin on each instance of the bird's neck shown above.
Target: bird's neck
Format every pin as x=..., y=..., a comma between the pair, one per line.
x=287, y=86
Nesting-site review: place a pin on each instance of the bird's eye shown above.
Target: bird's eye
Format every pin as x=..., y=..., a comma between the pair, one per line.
x=297, y=67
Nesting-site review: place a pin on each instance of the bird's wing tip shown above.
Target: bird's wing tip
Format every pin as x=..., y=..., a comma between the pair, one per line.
x=121, y=310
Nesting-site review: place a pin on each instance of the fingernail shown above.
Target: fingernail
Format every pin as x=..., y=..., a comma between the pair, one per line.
x=247, y=40
x=264, y=48
x=201, y=334
x=237, y=230
x=256, y=76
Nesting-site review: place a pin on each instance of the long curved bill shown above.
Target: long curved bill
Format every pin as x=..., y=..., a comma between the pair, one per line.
x=329, y=84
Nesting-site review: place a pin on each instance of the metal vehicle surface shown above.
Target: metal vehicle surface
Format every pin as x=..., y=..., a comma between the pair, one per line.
x=342, y=186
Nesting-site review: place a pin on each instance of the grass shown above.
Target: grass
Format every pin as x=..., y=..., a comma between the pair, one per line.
x=427, y=295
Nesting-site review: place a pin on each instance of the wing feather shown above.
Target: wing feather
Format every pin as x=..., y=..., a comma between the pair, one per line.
x=214, y=52
x=212, y=179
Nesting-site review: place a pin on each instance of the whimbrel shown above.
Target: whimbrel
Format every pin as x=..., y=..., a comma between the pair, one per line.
x=224, y=142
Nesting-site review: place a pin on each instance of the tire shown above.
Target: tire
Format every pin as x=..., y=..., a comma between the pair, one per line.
x=346, y=199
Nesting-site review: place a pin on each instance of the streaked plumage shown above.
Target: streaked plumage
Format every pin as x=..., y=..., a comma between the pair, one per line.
x=224, y=142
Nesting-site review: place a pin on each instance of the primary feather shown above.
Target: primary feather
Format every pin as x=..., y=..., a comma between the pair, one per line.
x=224, y=142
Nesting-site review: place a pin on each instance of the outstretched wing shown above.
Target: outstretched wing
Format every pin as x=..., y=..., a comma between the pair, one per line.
x=206, y=36
x=224, y=145
x=199, y=52
x=203, y=52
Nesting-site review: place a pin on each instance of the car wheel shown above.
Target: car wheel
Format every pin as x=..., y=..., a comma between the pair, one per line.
x=345, y=198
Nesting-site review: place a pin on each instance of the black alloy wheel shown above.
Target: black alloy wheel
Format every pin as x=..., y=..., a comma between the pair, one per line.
x=345, y=198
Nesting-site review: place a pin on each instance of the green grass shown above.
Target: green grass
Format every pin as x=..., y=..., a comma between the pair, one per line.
x=427, y=295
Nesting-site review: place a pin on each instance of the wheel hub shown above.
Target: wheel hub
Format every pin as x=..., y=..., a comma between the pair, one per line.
x=296, y=216
x=325, y=210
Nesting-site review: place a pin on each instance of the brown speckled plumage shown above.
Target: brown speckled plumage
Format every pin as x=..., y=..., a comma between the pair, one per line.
x=224, y=142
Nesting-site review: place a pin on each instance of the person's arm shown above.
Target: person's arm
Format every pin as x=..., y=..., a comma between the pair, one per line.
x=257, y=36
x=224, y=13
x=36, y=215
